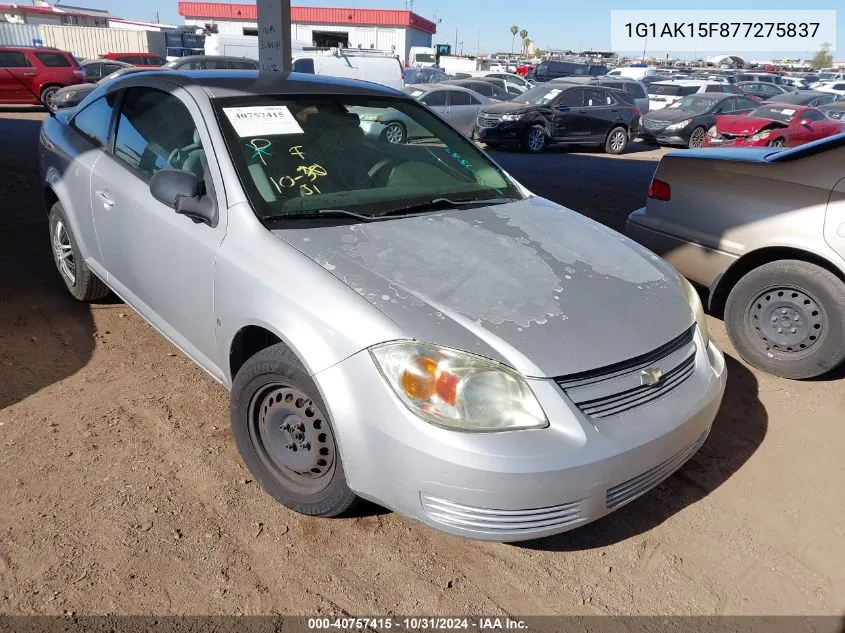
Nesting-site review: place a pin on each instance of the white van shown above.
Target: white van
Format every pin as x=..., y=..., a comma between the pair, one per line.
x=633, y=72
x=240, y=45
x=381, y=67
x=422, y=57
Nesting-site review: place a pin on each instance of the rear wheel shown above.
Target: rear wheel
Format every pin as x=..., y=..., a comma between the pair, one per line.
x=696, y=138
x=788, y=319
x=534, y=140
x=79, y=280
x=617, y=141
x=285, y=437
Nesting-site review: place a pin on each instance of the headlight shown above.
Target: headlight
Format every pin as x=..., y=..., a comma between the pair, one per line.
x=457, y=390
x=511, y=117
x=70, y=94
x=760, y=135
x=697, y=308
x=369, y=117
x=680, y=125
x=712, y=132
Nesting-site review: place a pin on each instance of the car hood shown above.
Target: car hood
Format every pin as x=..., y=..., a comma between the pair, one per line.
x=670, y=115
x=76, y=88
x=741, y=125
x=508, y=107
x=530, y=283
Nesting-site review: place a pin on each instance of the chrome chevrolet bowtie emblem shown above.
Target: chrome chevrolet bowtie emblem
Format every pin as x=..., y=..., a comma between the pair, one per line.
x=651, y=376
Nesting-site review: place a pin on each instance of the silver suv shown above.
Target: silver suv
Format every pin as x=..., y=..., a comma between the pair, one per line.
x=397, y=321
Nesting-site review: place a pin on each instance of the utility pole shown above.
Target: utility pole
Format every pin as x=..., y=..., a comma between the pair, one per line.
x=274, y=35
x=456, y=41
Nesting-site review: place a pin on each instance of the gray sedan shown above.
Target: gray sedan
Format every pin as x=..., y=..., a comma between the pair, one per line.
x=399, y=322
x=763, y=231
x=71, y=96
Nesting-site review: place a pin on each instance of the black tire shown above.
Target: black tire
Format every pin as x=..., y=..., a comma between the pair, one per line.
x=260, y=411
x=616, y=141
x=83, y=284
x=47, y=95
x=696, y=138
x=535, y=140
x=788, y=295
x=395, y=133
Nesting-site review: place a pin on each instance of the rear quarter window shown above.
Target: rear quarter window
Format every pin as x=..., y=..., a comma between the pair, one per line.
x=53, y=60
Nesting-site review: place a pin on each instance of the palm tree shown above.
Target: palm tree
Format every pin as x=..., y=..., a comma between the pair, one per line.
x=526, y=43
x=522, y=35
x=514, y=31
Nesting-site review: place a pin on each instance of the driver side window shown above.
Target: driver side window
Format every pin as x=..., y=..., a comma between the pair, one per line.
x=155, y=131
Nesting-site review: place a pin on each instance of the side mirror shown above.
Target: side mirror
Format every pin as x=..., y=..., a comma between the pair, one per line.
x=182, y=191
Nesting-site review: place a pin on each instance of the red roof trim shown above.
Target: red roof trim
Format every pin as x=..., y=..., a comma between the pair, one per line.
x=313, y=15
x=11, y=8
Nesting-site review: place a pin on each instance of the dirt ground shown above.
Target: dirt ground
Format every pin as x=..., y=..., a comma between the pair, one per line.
x=122, y=491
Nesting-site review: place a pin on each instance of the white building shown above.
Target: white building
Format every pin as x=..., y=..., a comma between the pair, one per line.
x=382, y=29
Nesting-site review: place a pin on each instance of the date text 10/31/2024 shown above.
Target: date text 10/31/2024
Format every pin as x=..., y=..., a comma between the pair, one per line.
x=419, y=623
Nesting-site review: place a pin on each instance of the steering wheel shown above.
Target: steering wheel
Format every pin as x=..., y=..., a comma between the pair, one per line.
x=176, y=155
x=376, y=169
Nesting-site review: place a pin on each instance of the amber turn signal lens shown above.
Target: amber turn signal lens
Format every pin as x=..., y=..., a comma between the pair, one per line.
x=446, y=386
x=418, y=381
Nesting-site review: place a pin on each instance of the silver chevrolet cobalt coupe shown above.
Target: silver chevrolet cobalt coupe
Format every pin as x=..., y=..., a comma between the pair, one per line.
x=399, y=322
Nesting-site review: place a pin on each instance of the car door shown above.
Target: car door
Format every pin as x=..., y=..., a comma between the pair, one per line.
x=601, y=111
x=160, y=262
x=834, y=220
x=16, y=78
x=463, y=110
x=569, y=119
x=438, y=101
x=805, y=127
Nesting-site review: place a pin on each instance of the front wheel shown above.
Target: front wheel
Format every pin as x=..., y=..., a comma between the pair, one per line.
x=535, y=140
x=617, y=141
x=284, y=435
x=696, y=139
x=48, y=96
x=788, y=319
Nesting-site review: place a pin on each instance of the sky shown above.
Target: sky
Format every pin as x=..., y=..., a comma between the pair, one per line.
x=484, y=25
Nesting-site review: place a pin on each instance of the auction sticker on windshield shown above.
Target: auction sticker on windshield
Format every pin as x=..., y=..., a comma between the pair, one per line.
x=262, y=120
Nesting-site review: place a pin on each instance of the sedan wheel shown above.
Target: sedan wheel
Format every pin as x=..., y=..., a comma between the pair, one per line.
x=285, y=437
x=788, y=318
x=394, y=133
x=48, y=96
x=79, y=280
x=63, y=252
x=696, y=138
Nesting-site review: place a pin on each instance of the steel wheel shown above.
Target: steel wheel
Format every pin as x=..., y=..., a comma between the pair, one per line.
x=292, y=438
x=786, y=319
x=536, y=139
x=64, y=252
x=617, y=141
x=394, y=133
x=696, y=138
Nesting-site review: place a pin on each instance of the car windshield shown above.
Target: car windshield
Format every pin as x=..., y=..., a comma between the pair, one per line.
x=300, y=155
x=671, y=90
x=541, y=95
x=427, y=58
x=773, y=113
x=694, y=105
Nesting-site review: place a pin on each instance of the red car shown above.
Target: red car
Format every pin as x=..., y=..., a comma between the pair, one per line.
x=524, y=69
x=772, y=124
x=27, y=73
x=142, y=60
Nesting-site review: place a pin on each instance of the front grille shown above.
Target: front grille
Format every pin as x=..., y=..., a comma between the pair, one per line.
x=654, y=125
x=627, y=491
x=471, y=518
x=486, y=120
x=613, y=390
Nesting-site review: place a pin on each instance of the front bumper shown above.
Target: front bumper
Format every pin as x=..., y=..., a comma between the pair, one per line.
x=710, y=141
x=662, y=138
x=521, y=485
x=503, y=133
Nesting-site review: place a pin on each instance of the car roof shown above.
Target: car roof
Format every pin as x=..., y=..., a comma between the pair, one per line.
x=686, y=82
x=218, y=84
x=31, y=48
x=201, y=57
x=797, y=97
x=443, y=85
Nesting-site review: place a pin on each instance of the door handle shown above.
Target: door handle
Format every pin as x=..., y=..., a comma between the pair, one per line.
x=108, y=203
x=29, y=74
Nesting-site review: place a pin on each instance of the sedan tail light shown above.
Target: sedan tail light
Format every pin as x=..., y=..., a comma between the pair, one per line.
x=659, y=190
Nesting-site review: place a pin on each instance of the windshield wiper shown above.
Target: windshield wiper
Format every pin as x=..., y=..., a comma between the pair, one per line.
x=433, y=205
x=318, y=213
